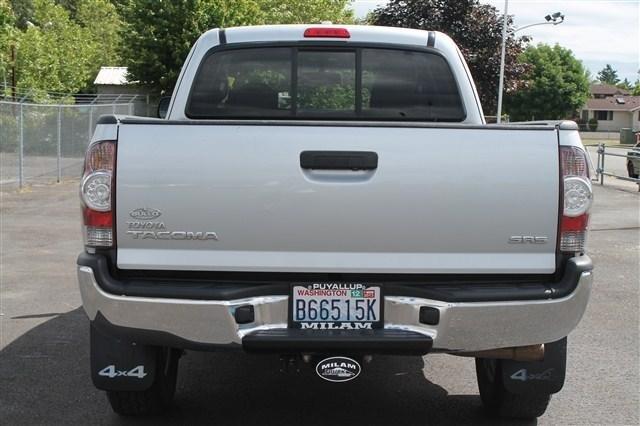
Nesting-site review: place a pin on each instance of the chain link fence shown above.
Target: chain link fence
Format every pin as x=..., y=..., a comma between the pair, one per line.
x=42, y=143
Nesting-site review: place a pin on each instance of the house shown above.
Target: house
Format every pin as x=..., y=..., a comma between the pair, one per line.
x=613, y=107
x=602, y=90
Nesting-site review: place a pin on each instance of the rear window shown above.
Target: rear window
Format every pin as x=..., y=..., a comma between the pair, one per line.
x=308, y=83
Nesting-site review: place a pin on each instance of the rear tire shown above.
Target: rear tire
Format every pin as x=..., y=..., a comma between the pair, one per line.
x=155, y=399
x=499, y=402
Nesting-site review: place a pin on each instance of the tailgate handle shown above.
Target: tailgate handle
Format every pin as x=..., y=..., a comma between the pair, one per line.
x=339, y=160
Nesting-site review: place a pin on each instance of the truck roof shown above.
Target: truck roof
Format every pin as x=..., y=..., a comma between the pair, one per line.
x=357, y=33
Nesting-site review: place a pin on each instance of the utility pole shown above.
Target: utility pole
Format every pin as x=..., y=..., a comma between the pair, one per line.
x=13, y=72
x=553, y=19
x=504, y=43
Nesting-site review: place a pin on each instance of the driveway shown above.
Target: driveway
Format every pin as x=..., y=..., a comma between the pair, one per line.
x=44, y=365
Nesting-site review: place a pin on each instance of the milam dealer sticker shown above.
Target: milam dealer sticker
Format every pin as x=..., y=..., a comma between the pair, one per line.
x=336, y=306
x=338, y=369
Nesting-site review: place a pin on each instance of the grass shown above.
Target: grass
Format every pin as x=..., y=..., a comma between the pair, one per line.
x=611, y=143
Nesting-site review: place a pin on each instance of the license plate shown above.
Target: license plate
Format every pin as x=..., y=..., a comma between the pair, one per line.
x=335, y=306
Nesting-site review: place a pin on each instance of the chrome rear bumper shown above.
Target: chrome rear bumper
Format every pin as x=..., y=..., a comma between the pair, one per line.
x=467, y=326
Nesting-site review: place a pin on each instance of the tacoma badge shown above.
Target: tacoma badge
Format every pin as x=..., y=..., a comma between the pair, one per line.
x=173, y=235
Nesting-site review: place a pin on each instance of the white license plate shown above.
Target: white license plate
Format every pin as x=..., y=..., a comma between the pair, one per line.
x=334, y=306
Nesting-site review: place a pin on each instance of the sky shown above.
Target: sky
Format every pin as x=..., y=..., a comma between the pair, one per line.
x=599, y=32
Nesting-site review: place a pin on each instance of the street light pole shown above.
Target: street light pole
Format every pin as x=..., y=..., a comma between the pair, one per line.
x=554, y=19
x=504, y=43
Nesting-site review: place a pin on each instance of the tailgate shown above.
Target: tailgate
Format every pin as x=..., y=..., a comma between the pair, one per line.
x=235, y=198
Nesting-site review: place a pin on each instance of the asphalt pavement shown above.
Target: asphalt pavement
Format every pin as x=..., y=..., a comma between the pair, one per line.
x=613, y=164
x=44, y=348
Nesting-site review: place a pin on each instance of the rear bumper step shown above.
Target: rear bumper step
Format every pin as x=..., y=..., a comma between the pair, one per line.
x=460, y=326
x=382, y=341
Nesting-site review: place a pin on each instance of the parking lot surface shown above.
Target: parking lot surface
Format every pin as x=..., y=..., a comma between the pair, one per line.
x=613, y=164
x=36, y=169
x=44, y=365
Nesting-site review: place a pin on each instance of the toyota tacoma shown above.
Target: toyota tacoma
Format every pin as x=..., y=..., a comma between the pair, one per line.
x=326, y=194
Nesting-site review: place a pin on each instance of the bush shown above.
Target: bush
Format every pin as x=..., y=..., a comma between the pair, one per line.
x=593, y=124
x=582, y=124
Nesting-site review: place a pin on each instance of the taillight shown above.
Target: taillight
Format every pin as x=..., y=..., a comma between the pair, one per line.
x=96, y=194
x=577, y=198
x=327, y=32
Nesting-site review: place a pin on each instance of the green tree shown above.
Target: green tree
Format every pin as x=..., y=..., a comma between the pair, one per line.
x=158, y=34
x=556, y=85
x=102, y=24
x=625, y=84
x=475, y=27
x=608, y=75
x=52, y=53
x=23, y=11
x=635, y=91
x=305, y=11
x=7, y=32
x=59, y=45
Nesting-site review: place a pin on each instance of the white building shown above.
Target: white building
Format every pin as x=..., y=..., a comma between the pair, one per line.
x=113, y=80
x=613, y=107
x=112, y=86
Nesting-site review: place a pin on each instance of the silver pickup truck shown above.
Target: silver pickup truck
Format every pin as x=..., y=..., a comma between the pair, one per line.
x=326, y=194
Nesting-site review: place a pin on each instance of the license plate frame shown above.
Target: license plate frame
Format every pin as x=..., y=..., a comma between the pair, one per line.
x=341, y=324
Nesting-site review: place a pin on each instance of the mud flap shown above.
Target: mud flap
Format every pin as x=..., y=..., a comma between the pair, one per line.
x=542, y=377
x=119, y=365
